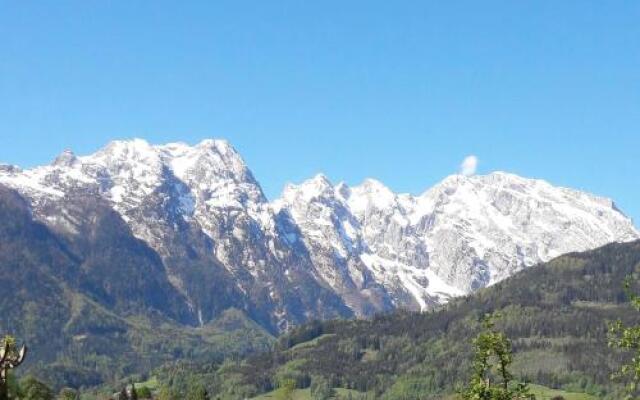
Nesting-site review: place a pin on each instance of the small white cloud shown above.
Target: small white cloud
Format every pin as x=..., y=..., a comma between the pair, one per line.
x=469, y=165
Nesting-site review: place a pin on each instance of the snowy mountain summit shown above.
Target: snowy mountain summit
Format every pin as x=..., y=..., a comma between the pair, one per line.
x=465, y=233
x=321, y=250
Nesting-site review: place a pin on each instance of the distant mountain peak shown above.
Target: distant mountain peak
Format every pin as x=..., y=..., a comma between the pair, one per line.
x=361, y=249
x=318, y=186
x=463, y=233
x=66, y=159
x=132, y=148
x=219, y=145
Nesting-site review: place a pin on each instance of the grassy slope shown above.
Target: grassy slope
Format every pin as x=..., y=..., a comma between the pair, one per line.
x=541, y=393
x=545, y=393
x=310, y=343
x=305, y=394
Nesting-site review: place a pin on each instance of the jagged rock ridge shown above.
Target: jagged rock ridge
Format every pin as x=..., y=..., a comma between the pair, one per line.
x=319, y=251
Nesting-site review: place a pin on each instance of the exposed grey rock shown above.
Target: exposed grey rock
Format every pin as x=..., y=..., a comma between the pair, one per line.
x=321, y=250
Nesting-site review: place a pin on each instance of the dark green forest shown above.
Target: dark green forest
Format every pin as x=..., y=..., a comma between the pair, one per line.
x=556, y=316
x=94, y=319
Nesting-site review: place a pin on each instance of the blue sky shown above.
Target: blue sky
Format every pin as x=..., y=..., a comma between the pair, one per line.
x=400, y=91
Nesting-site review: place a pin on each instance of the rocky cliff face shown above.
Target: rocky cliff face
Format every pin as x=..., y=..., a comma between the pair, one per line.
x=462, y=234
x=210, y=239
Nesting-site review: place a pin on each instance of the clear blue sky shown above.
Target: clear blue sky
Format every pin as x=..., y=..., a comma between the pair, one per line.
x=400, y=91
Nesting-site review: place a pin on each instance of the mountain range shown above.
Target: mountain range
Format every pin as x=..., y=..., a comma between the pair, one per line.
x=186, y=233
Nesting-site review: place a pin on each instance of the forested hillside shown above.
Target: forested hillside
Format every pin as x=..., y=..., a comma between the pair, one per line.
x=94, y=318
x=555, y=313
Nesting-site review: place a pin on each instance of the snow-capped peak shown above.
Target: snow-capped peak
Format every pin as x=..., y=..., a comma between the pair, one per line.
x=121, y=154
x=65, y=159
x=465, y=232
x=127, y=171
x=372, y=247
x=371, y=194
x=316, y=187
x=214, y=163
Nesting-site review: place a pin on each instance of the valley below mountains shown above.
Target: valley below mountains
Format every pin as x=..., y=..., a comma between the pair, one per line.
x=115, y=262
